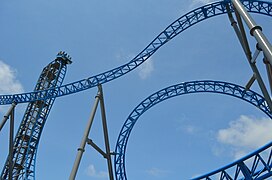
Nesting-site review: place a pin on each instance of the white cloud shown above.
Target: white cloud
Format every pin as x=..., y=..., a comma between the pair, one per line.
x=92, y=172
x=157, y=172
x=8, y=82
x=123, y=56
x=246, y=134
x=191, y=129
x=146, y=69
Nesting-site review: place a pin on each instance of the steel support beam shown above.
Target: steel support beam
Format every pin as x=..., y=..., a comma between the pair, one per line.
x=256, y=54
x=11, y=136
x=6, y=116
x=269, y=72
x=240, y=32
x=97, y=148
x=10, y=114
x=255, y=30
x=98, y=99
x=81, y=149
x=105, y=130
x=250, y=82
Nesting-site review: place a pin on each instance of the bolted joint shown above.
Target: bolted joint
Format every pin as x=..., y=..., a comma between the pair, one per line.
x=81, y=149
x=99, y=96
x=100, y=92
x=255, y=28
x=258, y=47
x=233, y=23
x=113, y=153
x=14, y=103
x=265, y=61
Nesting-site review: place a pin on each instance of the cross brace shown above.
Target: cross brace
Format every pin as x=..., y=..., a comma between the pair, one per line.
x=99, y=98
x=240, y=32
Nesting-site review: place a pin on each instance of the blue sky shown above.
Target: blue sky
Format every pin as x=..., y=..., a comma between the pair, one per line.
x=178, y=139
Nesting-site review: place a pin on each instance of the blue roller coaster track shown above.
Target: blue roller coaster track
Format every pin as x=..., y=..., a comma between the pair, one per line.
x=190, y=88
x=256, y=165
x=42, y=98
x=30, y=130
x=184, y=22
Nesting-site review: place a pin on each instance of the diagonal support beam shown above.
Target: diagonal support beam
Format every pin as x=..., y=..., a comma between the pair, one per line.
x=269, y=72
x=250, y=82
x=105, y=130
x=11, y=136
x=255, y=30
x=240, y=32
x=97, y=148
x=7, y=115
x=81, y=149
x=10, y=114
x=98, y=99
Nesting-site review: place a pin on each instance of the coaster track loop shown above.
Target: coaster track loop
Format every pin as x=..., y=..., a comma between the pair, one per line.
x=193, y=87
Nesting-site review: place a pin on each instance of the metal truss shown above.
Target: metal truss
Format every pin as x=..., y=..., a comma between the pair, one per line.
x=190, y=88
x=49, y=86
x=184, y=22
x=257, y=165
x=29, y=132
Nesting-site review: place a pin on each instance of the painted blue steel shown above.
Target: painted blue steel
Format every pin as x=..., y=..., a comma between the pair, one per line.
x=181, y=24
x=29, y=132
x=177, y=90
x=258, y=165
x=184, y=22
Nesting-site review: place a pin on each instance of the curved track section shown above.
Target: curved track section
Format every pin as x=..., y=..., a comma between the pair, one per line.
x=178, y=26
x=30, y=129
x=182, y=89
x=257, y=165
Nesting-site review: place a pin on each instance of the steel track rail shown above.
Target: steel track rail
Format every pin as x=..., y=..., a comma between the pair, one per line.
x=184, y=22
x=256, y=165
x=261, y=166
x=30, y=130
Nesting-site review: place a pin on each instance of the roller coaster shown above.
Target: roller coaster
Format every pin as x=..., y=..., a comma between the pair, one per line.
x=20, y=163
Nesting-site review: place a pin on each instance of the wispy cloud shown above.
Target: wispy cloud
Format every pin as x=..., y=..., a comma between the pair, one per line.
x=189, y=129
x=246, y=134
x=123, y=56
x=8, y=81
x=183, y=124
x=146, y=69
x=156, y=172
x=92, y=172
